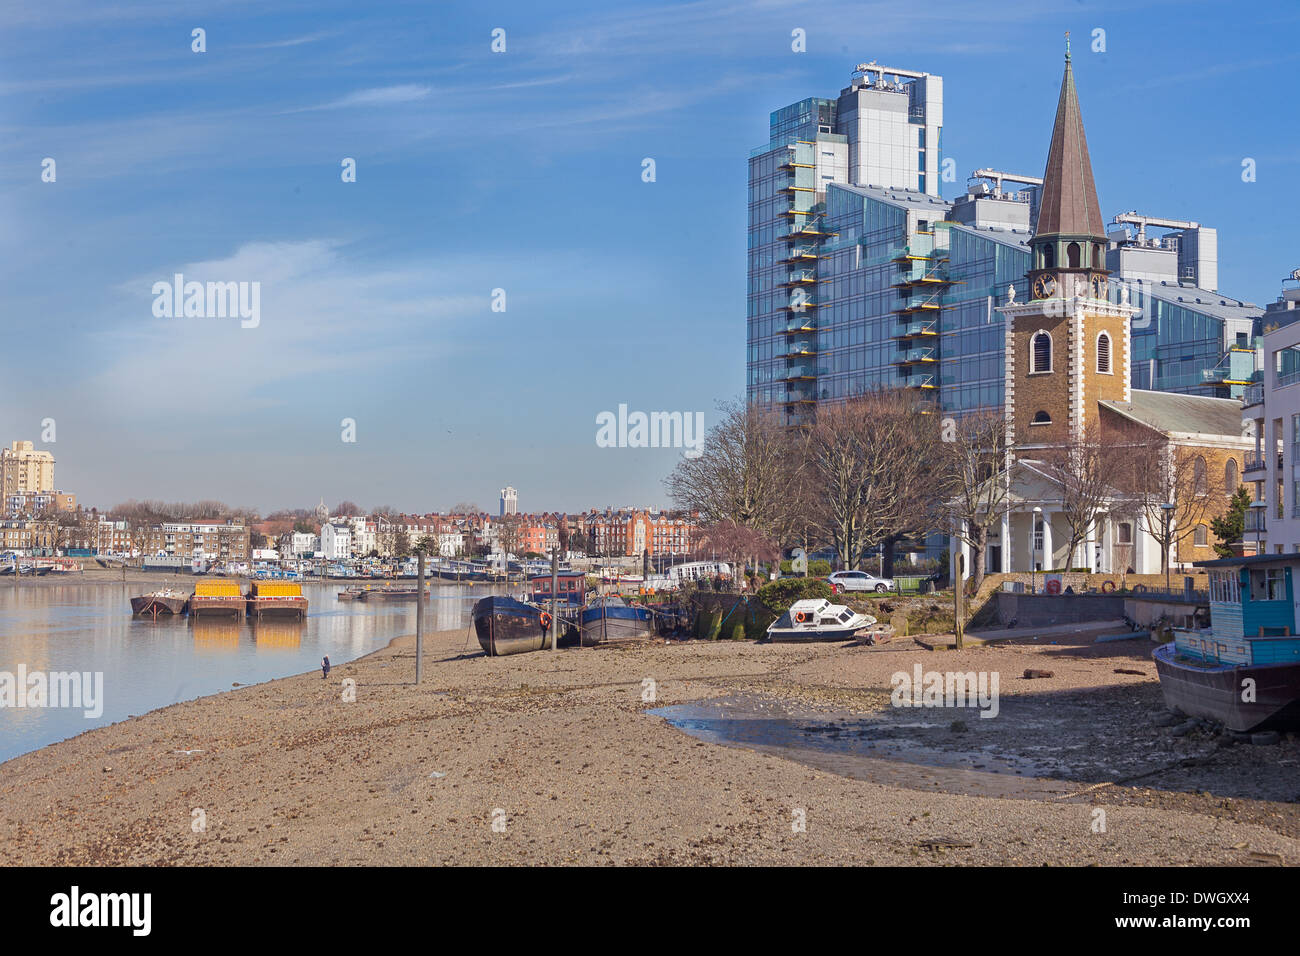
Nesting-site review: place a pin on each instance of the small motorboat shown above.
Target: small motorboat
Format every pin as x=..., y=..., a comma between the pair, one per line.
x=816, y=619
x=162, y=601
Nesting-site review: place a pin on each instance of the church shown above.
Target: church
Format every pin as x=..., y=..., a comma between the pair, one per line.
x=1068, y=385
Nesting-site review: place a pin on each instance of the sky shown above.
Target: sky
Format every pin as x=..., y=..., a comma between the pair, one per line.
x=520, y=171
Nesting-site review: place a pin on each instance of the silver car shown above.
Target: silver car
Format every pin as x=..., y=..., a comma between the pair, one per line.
x=859, y=581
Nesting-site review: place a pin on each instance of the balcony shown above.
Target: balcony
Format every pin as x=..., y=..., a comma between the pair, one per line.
x=923, y=381
x=1256, y=519
x=916, y=356
x=800, y=372
x=1253, y=395
x=800, y=254
x=799, y=277
x=1258, y=461
x=800, y=325
x=907, y=330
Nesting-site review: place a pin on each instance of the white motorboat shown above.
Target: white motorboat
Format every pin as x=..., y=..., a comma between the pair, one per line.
x=816, y=619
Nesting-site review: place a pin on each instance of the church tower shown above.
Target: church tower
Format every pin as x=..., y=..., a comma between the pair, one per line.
x=1068, y=346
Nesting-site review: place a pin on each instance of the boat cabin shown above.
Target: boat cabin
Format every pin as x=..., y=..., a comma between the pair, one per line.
x=1252, y=612
x=819, y=612
x=571, y=585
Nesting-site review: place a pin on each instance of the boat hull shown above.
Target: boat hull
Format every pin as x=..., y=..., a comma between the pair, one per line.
x=390, y=594
x=277, y=607
x=1214, y=691
x=154, y=604
x=603, y=624
x=809, y=636
x=506, y=626
x=217, y=606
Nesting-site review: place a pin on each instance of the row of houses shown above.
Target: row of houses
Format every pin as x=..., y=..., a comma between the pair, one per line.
x=625, y=532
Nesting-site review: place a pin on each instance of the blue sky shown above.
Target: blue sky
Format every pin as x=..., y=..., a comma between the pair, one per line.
x=521, y=171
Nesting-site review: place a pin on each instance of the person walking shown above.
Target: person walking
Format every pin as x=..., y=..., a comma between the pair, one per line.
x=325, y=668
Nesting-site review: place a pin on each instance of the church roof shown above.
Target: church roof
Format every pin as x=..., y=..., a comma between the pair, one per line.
x=1068, y=206
x=1176, y=414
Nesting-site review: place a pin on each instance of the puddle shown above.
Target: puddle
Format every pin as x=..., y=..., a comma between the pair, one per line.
x=862, y=747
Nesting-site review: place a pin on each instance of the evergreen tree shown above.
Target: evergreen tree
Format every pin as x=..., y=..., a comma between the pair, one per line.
x=1231, y=525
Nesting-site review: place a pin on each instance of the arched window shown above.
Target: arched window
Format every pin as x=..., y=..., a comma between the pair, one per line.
x=1103, y=353
x=1096, y=255
x=1125, y=533
x=1040, y=359
x=1072, y=254
x=1198, y=475
x=1200, y=537
x=1041, y=418
x=1049, y=256
x=1230, y=476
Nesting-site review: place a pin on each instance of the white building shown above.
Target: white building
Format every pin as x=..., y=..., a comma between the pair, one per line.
x=365, y=535
x=336, y=541
x=509, y=501
x=304, y=544
x=1273, y=407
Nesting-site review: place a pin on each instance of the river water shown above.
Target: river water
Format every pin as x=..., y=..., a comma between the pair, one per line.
x=149, y=664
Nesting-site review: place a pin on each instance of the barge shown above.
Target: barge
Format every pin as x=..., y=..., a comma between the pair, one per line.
x=276, y=599
x=217, y=599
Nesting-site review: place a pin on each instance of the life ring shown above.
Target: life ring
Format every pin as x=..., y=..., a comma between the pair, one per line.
x=801, y=617
x=1054, y=586
x=1139, y=589
x=546, y=621
x=1107, y=587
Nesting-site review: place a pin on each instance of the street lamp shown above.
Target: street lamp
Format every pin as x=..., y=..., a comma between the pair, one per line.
x=1168, y=508
x=1033, y=550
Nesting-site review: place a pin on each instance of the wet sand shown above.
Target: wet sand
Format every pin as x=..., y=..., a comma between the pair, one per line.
x=558, y=751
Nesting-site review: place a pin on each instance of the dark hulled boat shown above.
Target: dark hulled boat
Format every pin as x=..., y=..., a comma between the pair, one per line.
x=507, y=626
x=613, y=619
x=162, y=601
x=1244, y=670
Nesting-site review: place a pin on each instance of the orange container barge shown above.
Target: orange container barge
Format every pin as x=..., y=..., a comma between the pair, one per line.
x=276, y=599
x=216, y=599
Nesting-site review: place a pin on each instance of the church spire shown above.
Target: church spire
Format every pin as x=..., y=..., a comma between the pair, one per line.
x=1068, y=206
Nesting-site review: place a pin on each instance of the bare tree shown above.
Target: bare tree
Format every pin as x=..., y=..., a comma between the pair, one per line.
x=974, y=481
x=1084, y=467
x=509, y=534
x=743, y=474
x=1155, y=474
x=465, y=508
x=868, y=461
x=734, y=543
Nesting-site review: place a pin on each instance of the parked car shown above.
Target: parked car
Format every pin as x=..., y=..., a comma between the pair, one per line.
x=859, y=581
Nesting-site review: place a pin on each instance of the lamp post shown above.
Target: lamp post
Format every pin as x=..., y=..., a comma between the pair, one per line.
x=1167, y=508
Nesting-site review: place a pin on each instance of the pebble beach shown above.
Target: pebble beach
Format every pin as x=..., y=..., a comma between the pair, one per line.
x=555, y=758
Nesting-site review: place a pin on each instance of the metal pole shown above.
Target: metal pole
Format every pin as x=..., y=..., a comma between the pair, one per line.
x=555, y=590
x=419, y=616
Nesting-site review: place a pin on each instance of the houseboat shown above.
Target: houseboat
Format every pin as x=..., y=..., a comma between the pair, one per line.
x=276, y=599
x=219, y=598
x=609, y=618
x=505, y=625
x=1244, y=669
x=570, y=597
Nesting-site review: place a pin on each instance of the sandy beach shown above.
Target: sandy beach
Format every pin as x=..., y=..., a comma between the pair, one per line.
x=558, y=751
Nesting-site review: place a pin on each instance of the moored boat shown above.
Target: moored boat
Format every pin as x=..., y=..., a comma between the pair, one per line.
x=507, y=626
x=1244, y=670
x=162, y=601
x=817, y=619
x=610, y=618
x=217, y=599
x=276, y=599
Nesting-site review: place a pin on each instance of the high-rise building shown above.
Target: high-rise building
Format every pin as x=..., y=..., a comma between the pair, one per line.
x=862, y=277
x=509, y=501
x=24, y=470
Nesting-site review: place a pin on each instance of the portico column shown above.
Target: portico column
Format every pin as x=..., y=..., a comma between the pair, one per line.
x=1004, y=539
x=1047, y=540
x=1090, y=548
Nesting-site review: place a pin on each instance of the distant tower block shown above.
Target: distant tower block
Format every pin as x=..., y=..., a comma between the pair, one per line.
x=509, y=501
